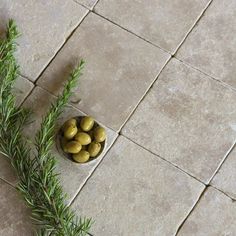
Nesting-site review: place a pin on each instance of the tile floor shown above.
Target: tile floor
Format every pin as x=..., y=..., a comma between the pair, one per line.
x=160, y=75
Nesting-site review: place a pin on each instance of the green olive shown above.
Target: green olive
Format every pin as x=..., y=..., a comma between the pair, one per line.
x=87, y=123
x=81, y=157
x=69, y=123
x=99, y=134
x=70, y=132
x=72, y=147
x=83, y=138
x=94, y=148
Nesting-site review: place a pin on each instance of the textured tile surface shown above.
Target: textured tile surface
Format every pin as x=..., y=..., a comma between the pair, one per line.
x=211, y=46
x=120, y=68
x=44, y=25
x=134, y=192
x=72, y=175
x=213, y=216
x=87, y=3
x=21, y=90
x=225, y=179
x=6, y=171
x=14, y=216
x=188, y=119
x=164, y=23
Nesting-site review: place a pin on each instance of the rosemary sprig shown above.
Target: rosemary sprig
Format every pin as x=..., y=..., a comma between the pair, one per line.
x=38, y=181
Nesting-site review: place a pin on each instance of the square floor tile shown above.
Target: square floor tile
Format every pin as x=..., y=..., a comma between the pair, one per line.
x=133, y=192
x=211, y=46
x=214, y=215
x=120, y=68
x=72, y=175
x=188, y=119
x=225, y=179
x=21, y=90
x=44, y=25
x=14, y=215
x=164, y=23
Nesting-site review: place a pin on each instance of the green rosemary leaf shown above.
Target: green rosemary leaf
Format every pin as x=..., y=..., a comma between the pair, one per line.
x=38, y=182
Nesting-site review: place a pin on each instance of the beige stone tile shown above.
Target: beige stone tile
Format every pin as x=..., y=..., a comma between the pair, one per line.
x=133, y=192
x=72, y=175
x=14, y=215
x=44, y=25
x=21, y=89
x=214, y=216
x=87, y=3
x=211, y=46
x=188, y=119
x=7, y=172
x=120, y=68
x=164, y=23
x=225, y=179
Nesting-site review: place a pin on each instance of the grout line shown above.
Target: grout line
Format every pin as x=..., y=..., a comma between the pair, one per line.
x=75, y=107
x=226, y=194
x=92, y=172
x=96, y=3
x=223, y=161
x=81, y=4
x=8, y=183
x=25, y=77
x=203, y=72
x=178, y=47
x=172, y=164
x=193, y=26
x=140, y=37
x=224, y=84
x=206, y=186
x=145, y=94
x=60, y=48
x=31, y=91
x=197, y=202
x=190, y=212
x=209, y=185
x=192, y=66
x=146, y=40
x=87, y=7
x=27, y=95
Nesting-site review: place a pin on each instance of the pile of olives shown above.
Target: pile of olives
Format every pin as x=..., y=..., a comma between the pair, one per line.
x=82, y=139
